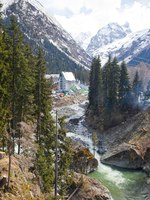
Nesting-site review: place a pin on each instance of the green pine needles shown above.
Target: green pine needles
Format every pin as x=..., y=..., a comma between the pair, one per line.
x=25, y=96
x=111, y=94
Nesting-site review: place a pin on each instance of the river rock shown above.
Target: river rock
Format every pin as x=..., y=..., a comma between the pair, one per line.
x=74, y=121
x=89, y=189
x=83, y=160
x=129, y=145
x=128, y=156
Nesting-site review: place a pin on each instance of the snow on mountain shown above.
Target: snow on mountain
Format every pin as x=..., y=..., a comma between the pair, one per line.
x=126, y=28
x=83, y=39
x=128, y=48
x=6, y=3
x=44, y=30
x=107, y=35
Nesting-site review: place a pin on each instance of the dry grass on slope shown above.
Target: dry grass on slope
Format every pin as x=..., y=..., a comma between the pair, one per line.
x=23, y=184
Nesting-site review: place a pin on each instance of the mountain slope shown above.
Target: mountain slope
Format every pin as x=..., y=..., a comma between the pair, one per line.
x=61, y=50
x=107, y=35
x=134, y=48
x=83, y=39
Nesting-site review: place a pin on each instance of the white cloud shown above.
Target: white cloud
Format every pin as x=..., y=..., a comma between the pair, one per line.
x=138, y=16
x=89, y=15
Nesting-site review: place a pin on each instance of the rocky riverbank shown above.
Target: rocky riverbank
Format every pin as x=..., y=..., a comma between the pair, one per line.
x=68, y=100
x=87, y=188
x=83, y=159
x=128, y=145
x=109, y=140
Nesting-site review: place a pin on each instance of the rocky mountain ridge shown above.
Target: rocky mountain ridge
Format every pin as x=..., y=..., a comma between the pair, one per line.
x=134, y=48
x=44, y=31
x=107, y=35
x=83, y=39
x=119, y=41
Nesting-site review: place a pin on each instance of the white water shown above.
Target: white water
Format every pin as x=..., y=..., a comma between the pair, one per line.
x=123, y=184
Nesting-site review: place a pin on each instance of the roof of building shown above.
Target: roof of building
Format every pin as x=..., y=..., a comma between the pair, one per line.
x=68, y=76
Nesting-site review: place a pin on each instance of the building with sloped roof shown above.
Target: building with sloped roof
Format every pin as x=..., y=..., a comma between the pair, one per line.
x=66, y=81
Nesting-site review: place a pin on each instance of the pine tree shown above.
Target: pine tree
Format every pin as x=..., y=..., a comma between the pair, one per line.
x=95, y=86
x=124, y=89
x=19, y=85
x=65, y=157
x=25, y=95
x=16, y=63
x=113, y=88
x=45, y=124
x=111, y=74
x=91, y=83
x=107, y=84
x=4, y=88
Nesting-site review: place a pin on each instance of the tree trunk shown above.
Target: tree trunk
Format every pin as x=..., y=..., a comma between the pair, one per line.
x=9, y=166
x=56, y=158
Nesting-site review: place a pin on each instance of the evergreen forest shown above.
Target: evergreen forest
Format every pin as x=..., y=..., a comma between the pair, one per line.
x=25, y=97
x=113, y=97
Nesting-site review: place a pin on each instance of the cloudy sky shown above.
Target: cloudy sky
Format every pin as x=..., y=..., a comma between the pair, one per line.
x=78, y=16
x=90, y=15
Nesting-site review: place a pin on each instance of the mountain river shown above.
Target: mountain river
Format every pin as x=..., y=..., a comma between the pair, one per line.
x=123, y=184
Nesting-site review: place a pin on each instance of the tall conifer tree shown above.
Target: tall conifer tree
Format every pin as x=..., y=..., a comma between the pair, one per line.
x=124, y=89
x=95, y=87
x=45, y=124
x=4, y=86
x=17, y=64
x=111, y=74
x=114, y=78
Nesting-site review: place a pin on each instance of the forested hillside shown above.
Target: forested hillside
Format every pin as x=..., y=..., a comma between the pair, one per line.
x=25, y=100
x=113, y=96
x=39, y=29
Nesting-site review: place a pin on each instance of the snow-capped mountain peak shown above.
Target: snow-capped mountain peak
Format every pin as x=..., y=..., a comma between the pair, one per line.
x=134, y=48
x=83, y=39
x=107, y=35
x=126, y=28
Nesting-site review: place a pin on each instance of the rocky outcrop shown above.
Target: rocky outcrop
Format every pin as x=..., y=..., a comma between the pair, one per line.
x=127, y=157
x=135, y=154
x=83, y=159
x=87, y=188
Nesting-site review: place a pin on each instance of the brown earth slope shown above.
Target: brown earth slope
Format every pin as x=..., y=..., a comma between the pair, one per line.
x=23, y=183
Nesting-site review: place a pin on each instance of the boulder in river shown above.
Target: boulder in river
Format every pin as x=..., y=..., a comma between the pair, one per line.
x=86, y=188
x=83, y=159
x=132, y=155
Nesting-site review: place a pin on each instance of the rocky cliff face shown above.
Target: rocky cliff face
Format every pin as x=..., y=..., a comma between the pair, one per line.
x=130, y=144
